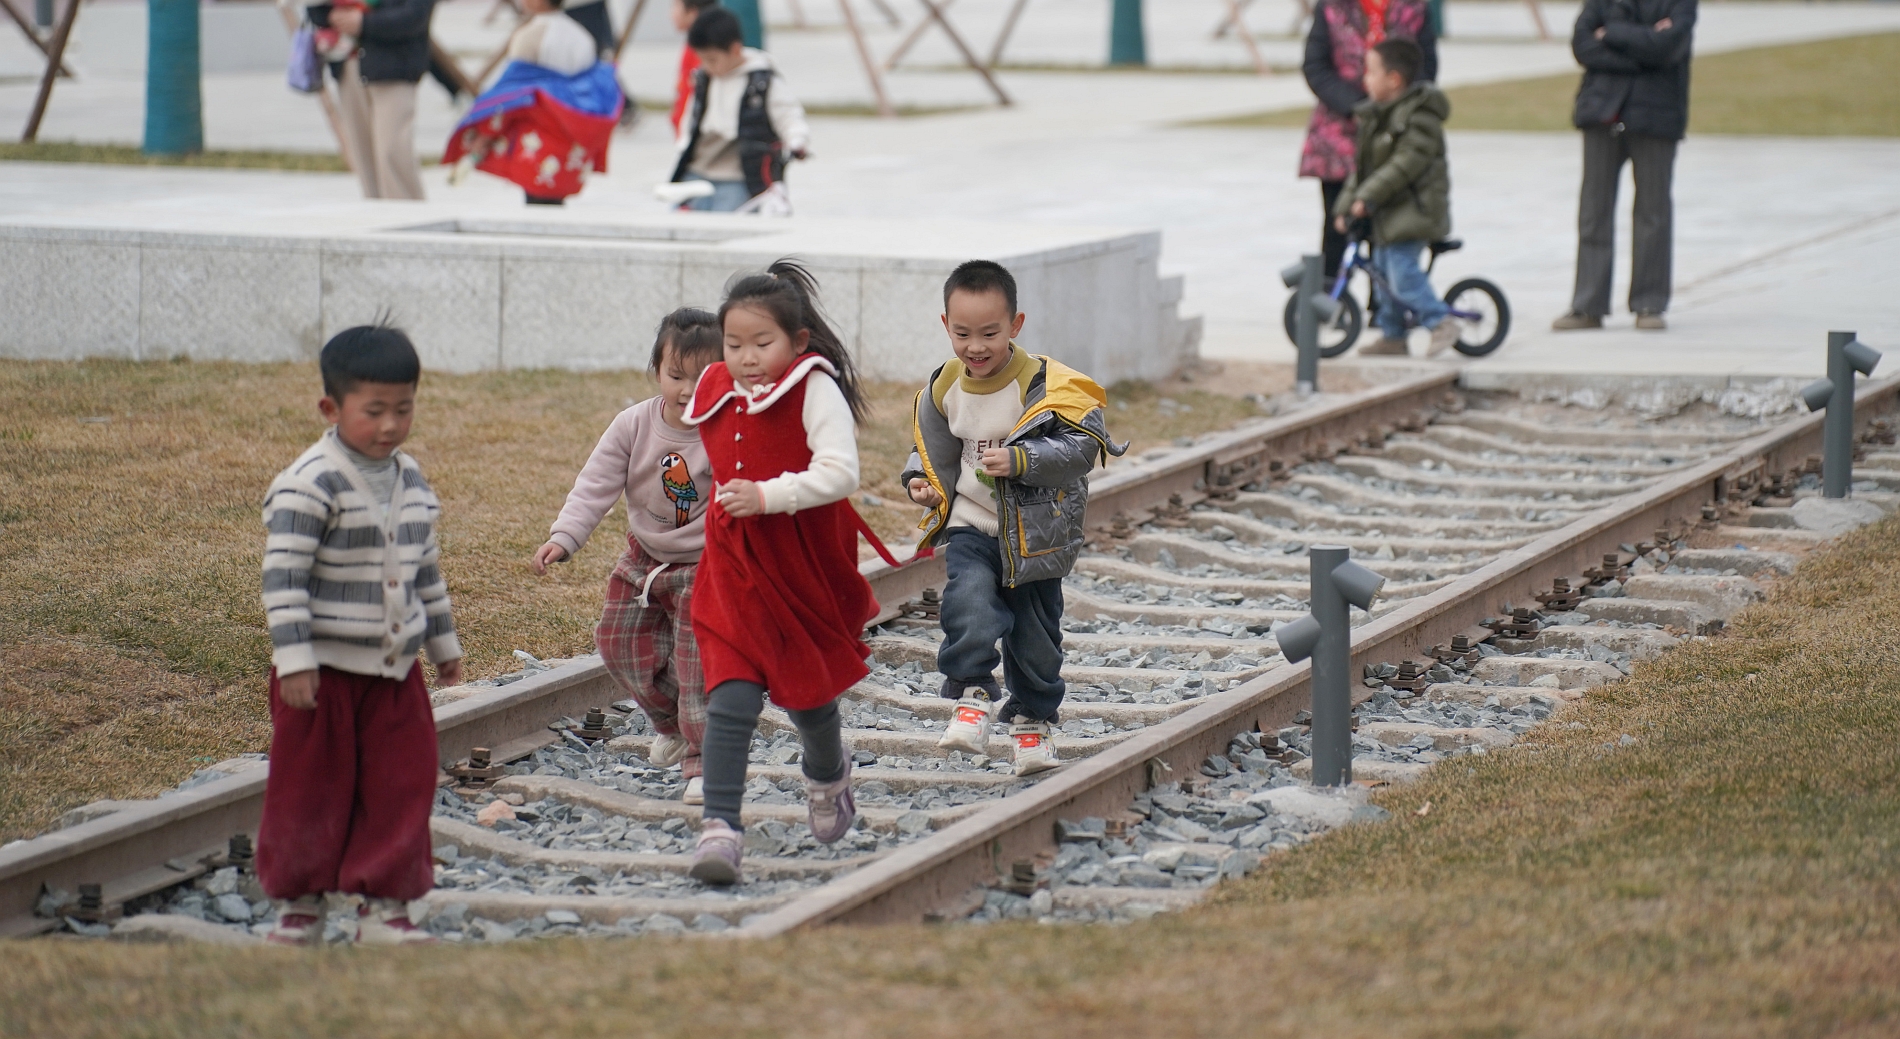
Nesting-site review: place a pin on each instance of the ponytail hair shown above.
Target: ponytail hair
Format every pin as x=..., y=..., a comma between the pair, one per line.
x=789, y=293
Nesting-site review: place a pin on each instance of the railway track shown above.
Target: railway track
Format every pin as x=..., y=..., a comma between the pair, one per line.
x=1181, y=738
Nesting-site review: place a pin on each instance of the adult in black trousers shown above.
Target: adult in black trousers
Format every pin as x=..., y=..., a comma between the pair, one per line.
x=1633, y=107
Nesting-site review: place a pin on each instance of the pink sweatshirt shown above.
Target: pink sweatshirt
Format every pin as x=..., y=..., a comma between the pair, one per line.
x=665, y=476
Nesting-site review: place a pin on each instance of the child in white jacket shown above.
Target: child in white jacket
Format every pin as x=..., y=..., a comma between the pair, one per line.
x=743, y=124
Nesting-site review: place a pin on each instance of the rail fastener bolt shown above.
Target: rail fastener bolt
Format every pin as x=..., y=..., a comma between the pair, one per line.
x=1614, y=568
x=476, y=773
x=1411, y=677
x=1462, y=648
x=1523, y=623
x=1023, y=878
x=240, y=853
x=927, y=606
x=1561, y=597
x=594, y=727
x=91, y=908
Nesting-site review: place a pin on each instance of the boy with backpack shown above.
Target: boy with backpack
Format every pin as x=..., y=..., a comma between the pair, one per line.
x=1004, y=443
x=743, y=124
x=1402, y=185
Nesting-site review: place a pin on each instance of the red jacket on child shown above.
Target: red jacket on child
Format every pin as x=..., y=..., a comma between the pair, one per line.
x=778, y=600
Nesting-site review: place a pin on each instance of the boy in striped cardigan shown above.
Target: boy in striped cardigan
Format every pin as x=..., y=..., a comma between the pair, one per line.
x=352, y=593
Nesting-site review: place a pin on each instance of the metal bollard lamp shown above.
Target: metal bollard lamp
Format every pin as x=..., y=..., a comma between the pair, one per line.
x=1325, y=635
x=1845, y=356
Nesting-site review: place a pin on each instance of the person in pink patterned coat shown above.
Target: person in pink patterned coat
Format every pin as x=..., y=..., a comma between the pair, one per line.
x=1342, y=32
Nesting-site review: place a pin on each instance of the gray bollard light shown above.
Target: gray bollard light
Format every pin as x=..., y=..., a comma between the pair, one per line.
x=1325, y=635
x=1307, y=279
x=1845, y=356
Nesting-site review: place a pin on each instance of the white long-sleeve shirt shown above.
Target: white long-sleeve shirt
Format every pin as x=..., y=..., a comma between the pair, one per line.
x=832, y=436
x=717, y=157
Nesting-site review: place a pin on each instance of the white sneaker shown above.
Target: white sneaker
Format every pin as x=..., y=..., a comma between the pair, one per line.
x=298, y=923
x=1035, y=749
x=1445, y=336
x=385, y=921
x=695, y=791
x=969, y=728
x=667, y=750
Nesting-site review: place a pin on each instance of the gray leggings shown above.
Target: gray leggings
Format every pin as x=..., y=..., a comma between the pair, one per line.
x=732, y=716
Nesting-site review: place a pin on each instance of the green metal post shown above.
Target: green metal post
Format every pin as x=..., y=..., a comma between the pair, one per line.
x=174, y=109
x=1127, y=40
x=751, y=21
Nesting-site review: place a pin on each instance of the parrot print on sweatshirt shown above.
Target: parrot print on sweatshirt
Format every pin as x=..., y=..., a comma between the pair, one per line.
x=680, y=490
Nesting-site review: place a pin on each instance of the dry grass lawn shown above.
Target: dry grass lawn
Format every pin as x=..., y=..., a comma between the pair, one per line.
x=131, y=636
x=1731, y=873
x=127, y=155
x=1833, y=88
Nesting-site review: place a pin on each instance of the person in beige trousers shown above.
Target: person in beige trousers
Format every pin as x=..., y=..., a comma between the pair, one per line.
x=377, y=92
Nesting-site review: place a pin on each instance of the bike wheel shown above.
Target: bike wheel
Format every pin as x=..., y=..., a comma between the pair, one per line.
x=1486, y=313
x=1335, y=336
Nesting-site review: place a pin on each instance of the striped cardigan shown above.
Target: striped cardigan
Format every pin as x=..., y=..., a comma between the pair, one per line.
x=340, y=589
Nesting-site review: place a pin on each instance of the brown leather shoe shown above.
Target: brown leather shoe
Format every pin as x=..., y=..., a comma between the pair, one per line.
x=1574, y=322
x=1384, y=346
x=1651, y=322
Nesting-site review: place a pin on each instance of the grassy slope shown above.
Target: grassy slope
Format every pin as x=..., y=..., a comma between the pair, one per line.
x=1732, y=873
x=130, y=627
x=1832, y=88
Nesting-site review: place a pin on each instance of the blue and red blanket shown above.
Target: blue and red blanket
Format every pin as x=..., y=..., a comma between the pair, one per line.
x=540, y=129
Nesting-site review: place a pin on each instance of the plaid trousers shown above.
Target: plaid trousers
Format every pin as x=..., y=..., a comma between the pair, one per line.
x=645, y=638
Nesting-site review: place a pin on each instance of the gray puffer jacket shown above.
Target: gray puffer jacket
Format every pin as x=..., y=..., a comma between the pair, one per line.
x=1060, y=438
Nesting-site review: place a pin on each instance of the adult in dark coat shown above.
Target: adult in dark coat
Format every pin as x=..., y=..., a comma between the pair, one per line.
x=1633, y=106
x=376, y=90
x=1342, y=32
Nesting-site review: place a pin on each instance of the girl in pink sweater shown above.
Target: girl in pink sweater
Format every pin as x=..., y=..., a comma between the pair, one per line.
x=650, y=455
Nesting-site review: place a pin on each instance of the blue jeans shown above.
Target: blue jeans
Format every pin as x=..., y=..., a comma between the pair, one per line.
x=978, y=611
x=1398, y=262
x=727, y=195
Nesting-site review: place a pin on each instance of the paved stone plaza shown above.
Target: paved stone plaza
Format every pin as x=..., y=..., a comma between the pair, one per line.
x=1777, y=239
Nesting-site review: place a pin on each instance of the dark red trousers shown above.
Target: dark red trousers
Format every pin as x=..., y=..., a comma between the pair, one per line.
x=351, y=786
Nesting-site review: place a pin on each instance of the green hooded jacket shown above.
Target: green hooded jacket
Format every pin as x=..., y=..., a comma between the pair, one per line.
x=1401, y=174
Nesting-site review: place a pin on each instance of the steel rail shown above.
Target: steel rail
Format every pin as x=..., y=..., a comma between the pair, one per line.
x=149, y=846
x=934, y=873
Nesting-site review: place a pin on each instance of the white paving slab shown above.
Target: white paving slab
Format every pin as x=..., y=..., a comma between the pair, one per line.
x=1777, y=240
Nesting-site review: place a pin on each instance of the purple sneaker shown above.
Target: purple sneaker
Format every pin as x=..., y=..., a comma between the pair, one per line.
x=716, y=855
x=832, y=808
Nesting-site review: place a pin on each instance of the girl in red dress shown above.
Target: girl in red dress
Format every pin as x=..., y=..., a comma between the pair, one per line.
x=779, y=604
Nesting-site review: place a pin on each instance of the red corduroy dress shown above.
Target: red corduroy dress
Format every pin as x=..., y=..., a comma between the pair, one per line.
x=778, y=599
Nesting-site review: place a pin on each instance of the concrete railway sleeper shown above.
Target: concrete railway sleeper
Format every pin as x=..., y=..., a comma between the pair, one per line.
x=1182, y=736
